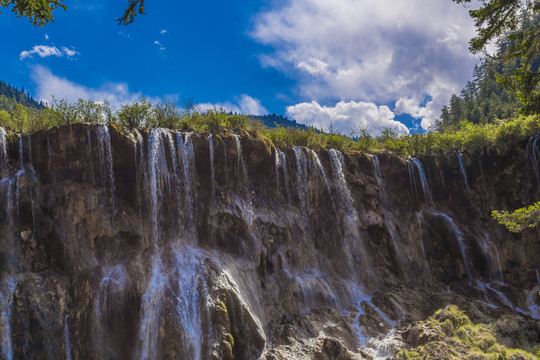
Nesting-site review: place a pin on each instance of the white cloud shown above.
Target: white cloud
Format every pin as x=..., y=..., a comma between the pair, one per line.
x=46, y=51
x=346, y=116
x=159, y=45
x=243, y=105
x=46, y=37
x=41, y=51
x=48, y=85
x=370, y=51
x=69, y=52
x=163, y=31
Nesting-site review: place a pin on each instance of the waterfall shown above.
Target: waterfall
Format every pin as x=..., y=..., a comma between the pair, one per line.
x=345, y=198
x=423, y=181
x=188, y=264
x=212, y=176
x=67, y=340
x=6, y=303
x=107, y=296
x=412, y=179
x=106, y=161
x=185, y=148
x=149, y=326
x=461, y=241
x=21, y=152
x=301, y=176
x=13, y=210
x=154, y=145
x=534, y=156
x=377, y=170
x=534, y=309
x=92, y=171
x=241, y=164
x=281, y=163
x=323, y=173
x=3, y=152
x=491, y=253
x=463, y=174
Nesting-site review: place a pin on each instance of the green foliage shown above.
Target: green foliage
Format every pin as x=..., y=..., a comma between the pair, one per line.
x=167, y=114
x=136, y=114
x=520, y=219
x=453, y=335
x=39, y=12
x=16, y=95
x=483, y=100
x=134, y=7
x=213, y=120
x=516, y=22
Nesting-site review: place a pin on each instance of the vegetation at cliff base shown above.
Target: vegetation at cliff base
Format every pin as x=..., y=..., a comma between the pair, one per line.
x=452, y=335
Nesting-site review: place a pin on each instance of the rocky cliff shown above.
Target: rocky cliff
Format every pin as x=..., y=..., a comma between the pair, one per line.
x=138, y=244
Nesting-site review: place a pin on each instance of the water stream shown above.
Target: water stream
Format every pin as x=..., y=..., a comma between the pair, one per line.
x=212, y=176
x=149, y=326
x=423, y=181
x=3, y=152
x=464, y=174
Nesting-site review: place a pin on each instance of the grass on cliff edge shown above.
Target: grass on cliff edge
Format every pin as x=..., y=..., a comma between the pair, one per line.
x=452, y=335
x=168, y=114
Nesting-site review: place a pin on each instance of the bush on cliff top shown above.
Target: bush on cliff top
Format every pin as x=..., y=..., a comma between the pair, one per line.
x=168, y=114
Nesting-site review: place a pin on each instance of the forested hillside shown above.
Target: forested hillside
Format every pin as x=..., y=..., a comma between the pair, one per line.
x=10, y=96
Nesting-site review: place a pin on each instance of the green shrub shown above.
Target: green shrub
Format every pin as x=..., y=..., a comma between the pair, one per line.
x=520, y=219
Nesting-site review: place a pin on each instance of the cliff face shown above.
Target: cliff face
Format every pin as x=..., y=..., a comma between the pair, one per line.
x=128, y=244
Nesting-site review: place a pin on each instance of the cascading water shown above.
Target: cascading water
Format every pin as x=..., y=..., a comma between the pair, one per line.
x=491, y=253
x=461, y=241
x=242, y=170
x=315, y=291
x=325, y=178
x=464, y=174
x=345, y=200
x=388, y=218
x=21, y=152
x=281, y=163
x=185, y=148
x=188, y=265
x=154, y=146
x=423, y=181
x=110, y=291
x=212, y=176
x=301, y=176
x=106, y=161
x=6, y=303
x=3, y=152
x=412, y=178
x=149, y=326
x=67, y=340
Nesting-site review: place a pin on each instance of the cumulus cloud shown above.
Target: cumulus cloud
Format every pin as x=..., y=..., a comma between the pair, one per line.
x=163, y=31
x=245, y=104
x=346, y=116
x=46, y=51
x=49, y=85
x=373, y=50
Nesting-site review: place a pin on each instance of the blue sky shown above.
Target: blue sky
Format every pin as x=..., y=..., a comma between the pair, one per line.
x=368, y=63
